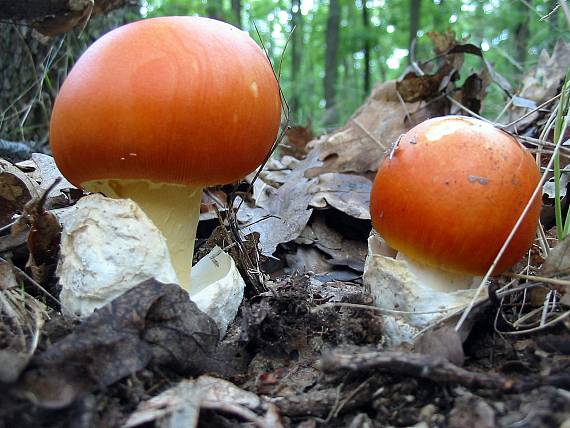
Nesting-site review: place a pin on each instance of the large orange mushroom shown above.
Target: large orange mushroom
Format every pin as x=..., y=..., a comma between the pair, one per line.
x=157, y=109
x=450, y=194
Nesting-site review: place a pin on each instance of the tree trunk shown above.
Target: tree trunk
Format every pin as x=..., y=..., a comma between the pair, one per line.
x=31, y=9
x=347, y=68
x=551, y=40
x=215, y=9
x=522, y=35
x=31, y=73
x=331, y=52
x=439, y=18
x=414, y=24
x=366, y=47
x=383, y=71
x=55, y=17
x=296, y=52
x=236, y=11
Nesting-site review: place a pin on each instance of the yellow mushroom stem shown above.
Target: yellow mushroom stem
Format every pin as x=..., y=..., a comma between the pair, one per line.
x=173, y=208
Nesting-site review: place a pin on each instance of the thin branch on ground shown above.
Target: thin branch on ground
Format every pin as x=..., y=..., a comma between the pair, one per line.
x=433, y=368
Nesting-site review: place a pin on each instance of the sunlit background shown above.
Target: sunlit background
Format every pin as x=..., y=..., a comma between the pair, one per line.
x=372, y=46
x=510, y=32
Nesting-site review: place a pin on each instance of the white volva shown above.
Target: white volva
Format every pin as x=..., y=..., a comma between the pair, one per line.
x=398, y=284
x=109, y=246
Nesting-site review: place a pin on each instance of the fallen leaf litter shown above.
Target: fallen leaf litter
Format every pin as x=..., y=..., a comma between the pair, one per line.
x=294, y=353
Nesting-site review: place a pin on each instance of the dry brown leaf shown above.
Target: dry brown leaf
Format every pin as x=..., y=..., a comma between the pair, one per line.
x=361, y=144
x=307, y=259
x=473, y=91
x=43, y=245
x=16, y=189
x=151, y=323
x=343, y=251
x=42, y=169
x=280, y=215
x=414, y=88
x=542, y=82
x=345, y=192
x=7, y=276
x=67, y=14
x=558, y=261
x=43, y=233
x=441, y=342
x=443, y=42
x=180, y=405
x=21, y=320
x=295, y=142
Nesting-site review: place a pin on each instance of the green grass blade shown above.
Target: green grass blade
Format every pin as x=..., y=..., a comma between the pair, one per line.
x=560, y=126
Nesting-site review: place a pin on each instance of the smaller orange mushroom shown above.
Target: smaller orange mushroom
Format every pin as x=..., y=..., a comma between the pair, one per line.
x=451, y=193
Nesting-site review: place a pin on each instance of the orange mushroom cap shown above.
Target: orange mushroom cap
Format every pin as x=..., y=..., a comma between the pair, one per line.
x=184, y=100
x=451, y=194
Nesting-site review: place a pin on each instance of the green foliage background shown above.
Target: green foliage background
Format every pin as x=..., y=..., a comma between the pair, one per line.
x=494, y=25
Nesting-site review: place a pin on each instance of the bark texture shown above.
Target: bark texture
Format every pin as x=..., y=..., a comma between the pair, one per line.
x=366, y=47
x=32, y=68
x=414, y=22
x=54, y=17
x=296, y=51
x=236, y=11
x=331, y=61
x=522, y=36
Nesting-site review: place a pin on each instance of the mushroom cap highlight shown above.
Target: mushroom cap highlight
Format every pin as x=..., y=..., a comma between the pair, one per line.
x=451, y=194
x=183, y=100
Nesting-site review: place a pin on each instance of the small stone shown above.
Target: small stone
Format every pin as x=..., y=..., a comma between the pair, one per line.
x=427, y=412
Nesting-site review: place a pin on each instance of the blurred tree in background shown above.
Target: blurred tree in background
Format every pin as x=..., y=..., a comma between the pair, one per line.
x=340, y=49
x=324, y=66
x=33, y=66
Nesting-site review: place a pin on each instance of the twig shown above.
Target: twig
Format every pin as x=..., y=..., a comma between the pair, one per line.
x=534, y=110
x=504, y=110
x=8, y=226
x=541, y=327
x=349, y=397
x=564, y=6
x=554, y=281
x=541, y=143
x=404, y=107
x=369, y=134
x=235, y=409
x=543, y=240
x=549, y=14
x=32, y=281
x=498, y=125
x=383, y=311
x=320, y=402
x=336, y=404
x=471, y=112
x=436, y=369
x=546, y=306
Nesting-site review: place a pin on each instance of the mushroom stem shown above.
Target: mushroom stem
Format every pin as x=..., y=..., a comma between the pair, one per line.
x=173, y=208
x=438, y=279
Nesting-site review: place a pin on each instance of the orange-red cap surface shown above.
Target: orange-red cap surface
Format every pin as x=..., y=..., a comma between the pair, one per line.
x=452, y=192
x=175, y=99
